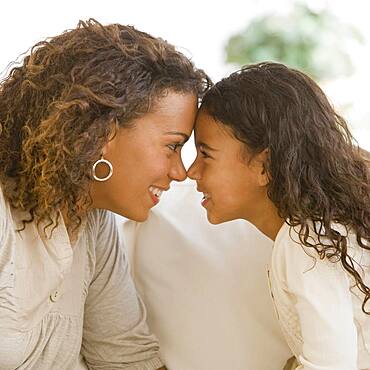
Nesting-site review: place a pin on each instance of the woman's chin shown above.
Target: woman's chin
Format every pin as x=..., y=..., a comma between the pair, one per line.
x=142, y=217
x=134, y=216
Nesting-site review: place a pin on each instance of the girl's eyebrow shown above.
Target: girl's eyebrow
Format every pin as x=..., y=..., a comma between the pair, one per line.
x=205, y=146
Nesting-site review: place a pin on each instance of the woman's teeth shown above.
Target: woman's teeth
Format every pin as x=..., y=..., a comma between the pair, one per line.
x=156, y=191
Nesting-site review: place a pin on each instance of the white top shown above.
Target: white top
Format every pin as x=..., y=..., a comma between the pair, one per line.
x=205, y=287
x=57, y=301
x=318, y=307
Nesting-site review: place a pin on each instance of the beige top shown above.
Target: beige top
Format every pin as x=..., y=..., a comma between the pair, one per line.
x=69, y=308
x=318, y=306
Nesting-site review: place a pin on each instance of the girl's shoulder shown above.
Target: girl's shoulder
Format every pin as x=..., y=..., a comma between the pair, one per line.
x=310, y=240
x=304, y=253
x=289, y=252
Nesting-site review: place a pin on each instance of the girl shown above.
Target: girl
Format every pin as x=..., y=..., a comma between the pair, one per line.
x=271, y=150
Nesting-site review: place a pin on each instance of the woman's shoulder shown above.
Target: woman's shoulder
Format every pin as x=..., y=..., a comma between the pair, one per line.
x=2, y=200
x=3, y=212
x=101, y=222
x=6, y=210
x=99, y=216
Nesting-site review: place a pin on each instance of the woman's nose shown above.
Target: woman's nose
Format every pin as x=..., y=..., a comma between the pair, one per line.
x=178, y=172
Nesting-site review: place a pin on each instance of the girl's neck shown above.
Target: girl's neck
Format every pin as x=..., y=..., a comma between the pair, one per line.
x=269, y=221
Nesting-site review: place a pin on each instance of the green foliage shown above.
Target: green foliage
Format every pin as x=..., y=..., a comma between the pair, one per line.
x=313, y=42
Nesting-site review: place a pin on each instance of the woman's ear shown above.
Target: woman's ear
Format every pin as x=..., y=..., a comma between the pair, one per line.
x=113, y=133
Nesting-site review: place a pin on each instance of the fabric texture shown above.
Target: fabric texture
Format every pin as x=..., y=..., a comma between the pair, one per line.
x=318, y=306
x=69, y=308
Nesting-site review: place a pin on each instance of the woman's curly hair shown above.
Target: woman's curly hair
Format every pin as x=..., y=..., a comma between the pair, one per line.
x=317, y=174
x=57, y=109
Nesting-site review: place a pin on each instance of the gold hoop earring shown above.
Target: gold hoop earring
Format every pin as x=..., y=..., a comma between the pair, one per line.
x=105, y=161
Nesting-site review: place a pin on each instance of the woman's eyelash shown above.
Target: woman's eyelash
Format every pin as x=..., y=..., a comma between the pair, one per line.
x=174, y=147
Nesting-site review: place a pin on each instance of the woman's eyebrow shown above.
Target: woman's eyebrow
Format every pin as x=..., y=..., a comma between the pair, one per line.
x=186, y=137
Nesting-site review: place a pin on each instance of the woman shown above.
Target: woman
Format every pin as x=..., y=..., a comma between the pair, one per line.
x=93, y=120
x=271, y=150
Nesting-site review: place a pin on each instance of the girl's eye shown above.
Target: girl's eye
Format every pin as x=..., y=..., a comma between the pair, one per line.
x=204, y=154
x=174, y=147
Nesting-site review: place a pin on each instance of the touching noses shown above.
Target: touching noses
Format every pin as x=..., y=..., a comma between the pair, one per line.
x=193, y=171
x=177, y=170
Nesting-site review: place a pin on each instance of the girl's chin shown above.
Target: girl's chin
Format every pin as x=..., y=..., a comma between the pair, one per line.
x=213, y=219
x=216, y=219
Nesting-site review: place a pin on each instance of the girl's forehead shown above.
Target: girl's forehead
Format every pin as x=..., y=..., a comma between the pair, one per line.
x=207, y=126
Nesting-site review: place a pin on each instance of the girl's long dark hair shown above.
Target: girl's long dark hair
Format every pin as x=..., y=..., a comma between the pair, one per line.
x=317, y=173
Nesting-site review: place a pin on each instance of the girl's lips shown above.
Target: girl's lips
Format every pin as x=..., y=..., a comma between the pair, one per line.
x=205, y=202
x=207, y=196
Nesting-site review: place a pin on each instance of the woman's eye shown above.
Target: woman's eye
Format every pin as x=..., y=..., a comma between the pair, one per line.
x=174, y=147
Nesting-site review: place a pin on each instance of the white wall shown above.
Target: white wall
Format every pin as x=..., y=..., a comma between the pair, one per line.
x=201, y=28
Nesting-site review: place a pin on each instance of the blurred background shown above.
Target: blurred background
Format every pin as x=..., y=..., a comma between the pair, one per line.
x=328, y=39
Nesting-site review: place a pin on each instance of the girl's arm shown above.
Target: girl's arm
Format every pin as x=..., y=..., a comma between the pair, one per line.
x=318, y=292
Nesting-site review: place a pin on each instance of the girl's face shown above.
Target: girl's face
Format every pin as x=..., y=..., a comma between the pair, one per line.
x=234, y=185
x=146, y=158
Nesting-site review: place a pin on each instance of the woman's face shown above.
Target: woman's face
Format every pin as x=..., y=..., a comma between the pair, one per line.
x=233, y=186
x=146, y=158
